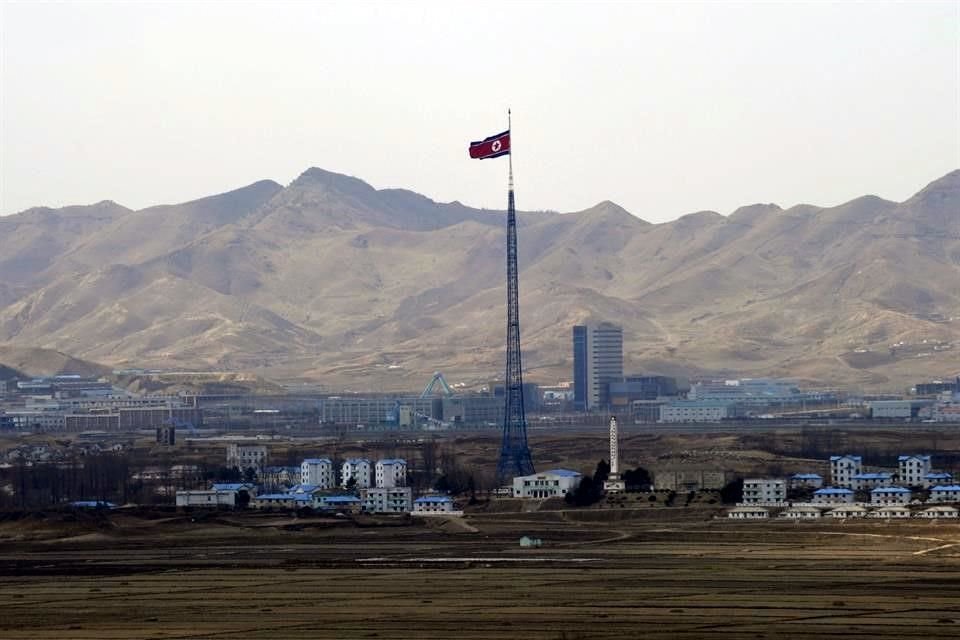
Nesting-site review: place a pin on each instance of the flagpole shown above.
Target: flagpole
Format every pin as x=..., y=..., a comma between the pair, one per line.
x=510, y=129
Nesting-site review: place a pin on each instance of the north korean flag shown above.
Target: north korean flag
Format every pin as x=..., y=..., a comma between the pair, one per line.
x=492, y=147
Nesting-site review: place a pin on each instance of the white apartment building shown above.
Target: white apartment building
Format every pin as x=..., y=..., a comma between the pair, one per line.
x=317, y=472
x=387, y=499
x=810, y=480
x=843, y=468
x=391, y=472
x=764, y=491
x=934, y=479
x=945, y=493
x=913, y=469
x=833, y=495
x=863, y=481
x=429, y=505
x=358, y=470
x=890, y=495
x=246, y=456
x=549, y=484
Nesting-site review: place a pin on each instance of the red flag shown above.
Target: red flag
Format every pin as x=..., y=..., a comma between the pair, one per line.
x=492, y=147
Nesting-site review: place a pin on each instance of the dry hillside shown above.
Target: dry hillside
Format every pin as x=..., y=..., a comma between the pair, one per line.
x=332, y=279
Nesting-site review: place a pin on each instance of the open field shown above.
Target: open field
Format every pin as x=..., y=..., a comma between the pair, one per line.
x=654, y=574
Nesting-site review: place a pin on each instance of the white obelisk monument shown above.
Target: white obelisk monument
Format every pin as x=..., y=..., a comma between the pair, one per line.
x=613, y=483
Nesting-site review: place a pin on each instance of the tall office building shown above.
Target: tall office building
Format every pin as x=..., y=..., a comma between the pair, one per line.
x=597, y=362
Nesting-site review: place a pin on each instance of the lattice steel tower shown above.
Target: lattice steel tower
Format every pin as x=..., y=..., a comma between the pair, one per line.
x=515, y=457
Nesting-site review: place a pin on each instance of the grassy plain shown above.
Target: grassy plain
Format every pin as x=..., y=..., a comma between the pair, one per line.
x=654, y=573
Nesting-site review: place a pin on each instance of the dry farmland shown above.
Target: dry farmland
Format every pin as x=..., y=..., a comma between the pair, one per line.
x=661, y=573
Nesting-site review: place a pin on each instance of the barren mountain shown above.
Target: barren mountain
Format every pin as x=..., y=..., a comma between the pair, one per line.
x=363, y=288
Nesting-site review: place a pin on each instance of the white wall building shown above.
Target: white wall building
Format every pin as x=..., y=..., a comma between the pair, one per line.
x=391, y=472
x=913, y=469
x=433, y=505
x=810, y=480
x=934, y=479
x=317, y=472
x=206, y=498
x=833, y=495
x=764, y=490
x=938, y=511
x=891, y=511
x=748, y=513
x=357, y=469
x=863, y=481
x=801, y=513
x=246, y=456
x=945, y=493
x=387, y=499
x=697, y=411
x=848, y=511
x=843, y=468
x=549, y=484
x=890, y=495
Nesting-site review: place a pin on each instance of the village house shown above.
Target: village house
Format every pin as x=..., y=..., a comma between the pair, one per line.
x=938, y=511
x=848, y=511
x=890, y=512
x=748, y=513
x=806, y=480
x=801, y=513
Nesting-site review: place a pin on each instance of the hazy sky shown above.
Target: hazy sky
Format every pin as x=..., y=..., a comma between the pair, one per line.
x=664, y=108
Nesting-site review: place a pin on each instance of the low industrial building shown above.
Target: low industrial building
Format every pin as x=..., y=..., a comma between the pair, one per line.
x=549, y=484
x=206, y=498
x=687, y=480
x=687, y=411
x=897, y=409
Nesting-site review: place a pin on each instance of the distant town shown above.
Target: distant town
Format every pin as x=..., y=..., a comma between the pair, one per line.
x=236, y=448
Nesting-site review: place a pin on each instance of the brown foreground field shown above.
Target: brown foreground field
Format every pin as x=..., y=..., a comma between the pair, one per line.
x=673, y=573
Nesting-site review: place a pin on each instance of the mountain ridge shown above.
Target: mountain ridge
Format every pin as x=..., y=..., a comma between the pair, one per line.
x=329, y=277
